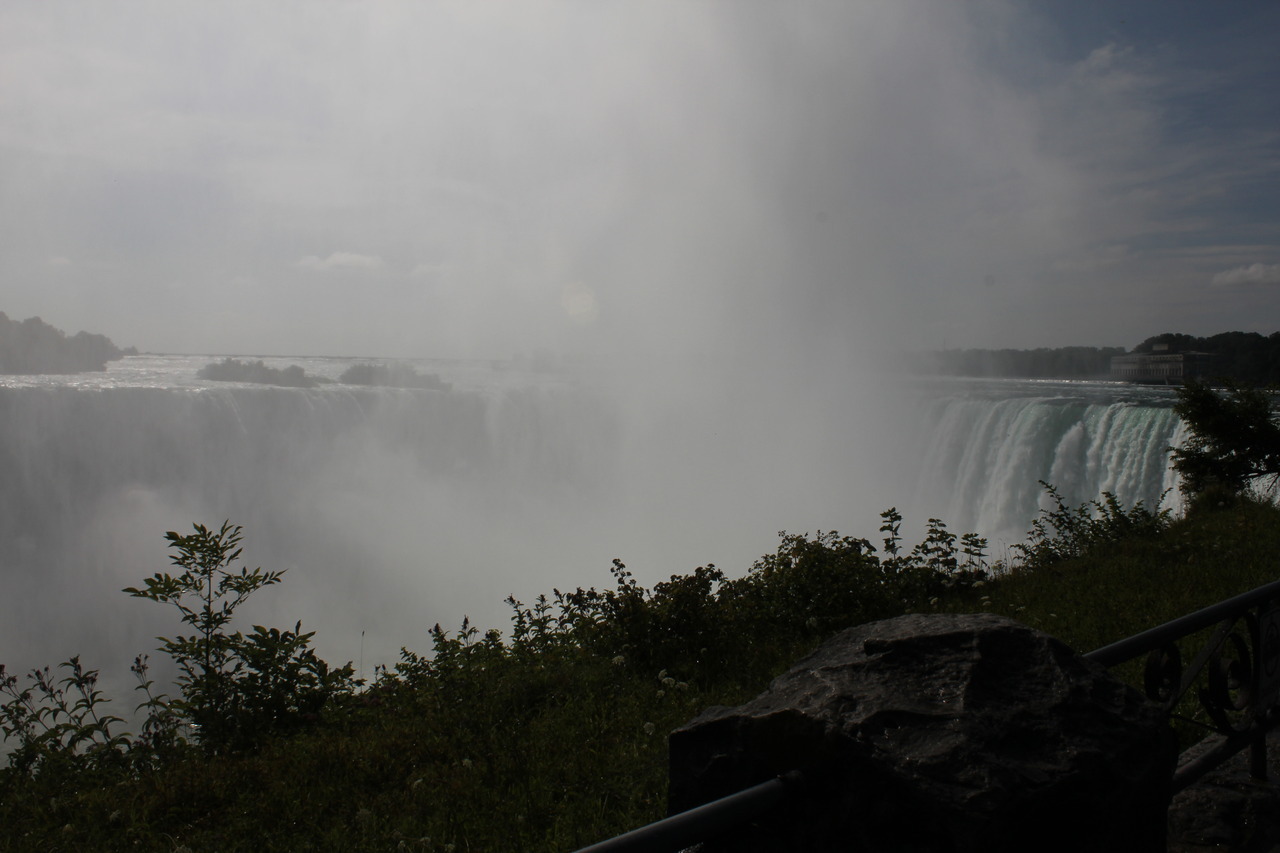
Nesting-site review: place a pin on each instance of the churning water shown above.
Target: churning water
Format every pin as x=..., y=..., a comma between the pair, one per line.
x=397, y=508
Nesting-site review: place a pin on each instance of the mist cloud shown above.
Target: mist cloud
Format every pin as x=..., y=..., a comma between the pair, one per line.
x=745, y=178
x=341, y=261
x=1252, y=274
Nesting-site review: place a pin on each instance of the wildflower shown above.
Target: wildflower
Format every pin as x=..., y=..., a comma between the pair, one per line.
x=668, y=682
x=682, y=685
x=467, y=763
x=649, y=728
x=619, y=660
x=417, y=783
x=661, y=693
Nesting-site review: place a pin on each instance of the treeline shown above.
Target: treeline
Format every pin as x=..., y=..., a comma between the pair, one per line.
x=234, y=370
x=1042, y=363
x=293, y=376
x=391, y=376
x=33, y=346
x=1246, y=357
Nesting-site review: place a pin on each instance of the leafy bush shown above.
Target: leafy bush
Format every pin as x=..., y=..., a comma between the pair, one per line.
x=556, y=728
x=236, y=689
x=702, y=623
x=1064, y=532
x=58, y=724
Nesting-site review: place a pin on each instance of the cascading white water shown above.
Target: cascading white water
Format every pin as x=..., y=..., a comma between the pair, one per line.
x=397, y=508
x=984, y=456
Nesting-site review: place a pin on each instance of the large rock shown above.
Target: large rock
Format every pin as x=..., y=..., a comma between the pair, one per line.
x=939, y=732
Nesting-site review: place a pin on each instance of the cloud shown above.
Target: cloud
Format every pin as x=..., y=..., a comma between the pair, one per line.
x=1253, y=274
x=341, y=261
x=579, y=303
x=756, y=173
x=427, y=270
x=1091, y=260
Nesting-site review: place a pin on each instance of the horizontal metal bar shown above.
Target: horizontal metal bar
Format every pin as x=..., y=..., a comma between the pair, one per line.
x=1154, y=638
x=1191, y=770
x=704, y=822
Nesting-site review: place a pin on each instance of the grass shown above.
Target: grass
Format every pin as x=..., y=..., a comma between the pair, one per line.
x=554, y=738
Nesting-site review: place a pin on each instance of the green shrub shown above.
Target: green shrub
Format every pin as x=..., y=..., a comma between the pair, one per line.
x=1064, y=532
x=236, y=689
x=58, y=725
x=552, y=737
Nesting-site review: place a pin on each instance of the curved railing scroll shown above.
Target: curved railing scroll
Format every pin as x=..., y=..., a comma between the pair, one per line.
x=1235, y=674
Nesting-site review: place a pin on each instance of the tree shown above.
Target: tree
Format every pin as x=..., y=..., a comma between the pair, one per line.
x=1234, y=443
x=236, y=689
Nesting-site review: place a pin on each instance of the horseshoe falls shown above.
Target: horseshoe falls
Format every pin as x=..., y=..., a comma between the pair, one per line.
x=984, y=456
x=393, y=509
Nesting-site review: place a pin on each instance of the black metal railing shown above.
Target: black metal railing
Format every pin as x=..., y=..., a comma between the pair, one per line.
x=706, y=821
x=1235, y=675
x=1237, y=670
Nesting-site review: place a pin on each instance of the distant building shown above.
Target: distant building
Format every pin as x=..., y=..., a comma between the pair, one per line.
x=1161, y=367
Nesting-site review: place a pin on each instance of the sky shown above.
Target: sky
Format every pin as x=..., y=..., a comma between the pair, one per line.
x=671, y=179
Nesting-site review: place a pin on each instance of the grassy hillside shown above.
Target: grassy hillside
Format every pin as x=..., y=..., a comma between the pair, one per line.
x=550, y=736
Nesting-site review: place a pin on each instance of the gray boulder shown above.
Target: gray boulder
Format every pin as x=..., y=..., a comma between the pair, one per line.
x=938, y=733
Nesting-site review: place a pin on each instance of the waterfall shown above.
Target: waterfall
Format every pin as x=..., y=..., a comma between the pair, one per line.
x=390, y=507
x=395, y=508
x=983, y=458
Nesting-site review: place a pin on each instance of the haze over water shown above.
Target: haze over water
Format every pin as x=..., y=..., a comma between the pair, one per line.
x=397, y=508
x=731, y=216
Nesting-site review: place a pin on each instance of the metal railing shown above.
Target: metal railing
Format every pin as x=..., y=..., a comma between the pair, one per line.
x=1240, y=665
x=706, y=821
x=1235, y=673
